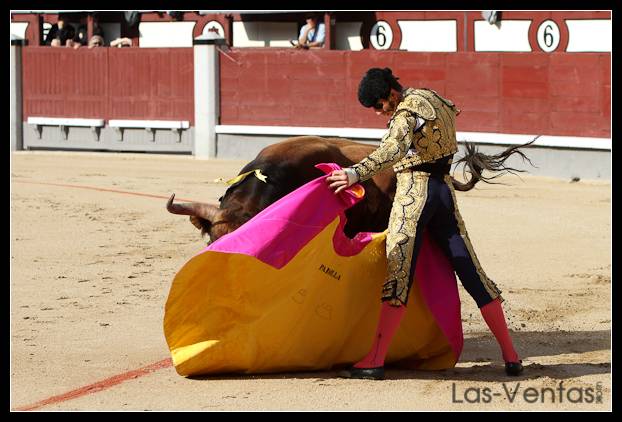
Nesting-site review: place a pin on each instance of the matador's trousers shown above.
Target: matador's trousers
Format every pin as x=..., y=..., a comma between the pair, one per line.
x=428, y=201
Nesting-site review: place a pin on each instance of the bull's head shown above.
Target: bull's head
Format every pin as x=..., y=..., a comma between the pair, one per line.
x=208, y=218
x=244, y=198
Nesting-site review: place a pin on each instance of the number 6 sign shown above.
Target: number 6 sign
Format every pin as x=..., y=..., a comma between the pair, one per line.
x=381, y=36
x=548, y=36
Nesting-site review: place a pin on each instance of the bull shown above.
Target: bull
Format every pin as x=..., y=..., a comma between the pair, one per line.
x=290, y=164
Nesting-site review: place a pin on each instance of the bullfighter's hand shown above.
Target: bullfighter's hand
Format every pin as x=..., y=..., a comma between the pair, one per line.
x=338, y=180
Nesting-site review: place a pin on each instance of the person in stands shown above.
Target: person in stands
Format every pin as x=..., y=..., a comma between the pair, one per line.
x=312, y=34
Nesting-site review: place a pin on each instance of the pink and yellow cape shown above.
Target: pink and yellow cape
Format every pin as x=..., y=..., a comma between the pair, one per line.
x=289, y=291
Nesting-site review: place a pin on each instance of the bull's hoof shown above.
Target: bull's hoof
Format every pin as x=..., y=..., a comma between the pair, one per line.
x=514, y=368
x=363, y=373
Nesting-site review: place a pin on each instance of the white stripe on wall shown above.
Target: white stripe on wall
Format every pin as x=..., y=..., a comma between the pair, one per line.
x=512, y=35
x=589, y=35
x=165, y=34
x=19, y=29
x=348, y=36
x=477, y=137
x=62, y=121
x=264, y=34
x=429, y=35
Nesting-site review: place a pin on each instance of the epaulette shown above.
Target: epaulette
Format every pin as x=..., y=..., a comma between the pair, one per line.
x=419, y=105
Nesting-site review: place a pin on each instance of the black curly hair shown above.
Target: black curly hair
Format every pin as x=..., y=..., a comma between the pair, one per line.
x=376, y=85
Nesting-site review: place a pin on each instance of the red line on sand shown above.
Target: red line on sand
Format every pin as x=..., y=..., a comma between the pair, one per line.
x=117, y=379
x=101, y=189
x=101, y=385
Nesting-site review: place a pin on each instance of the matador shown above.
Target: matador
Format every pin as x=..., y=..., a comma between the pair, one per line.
x=420, y=145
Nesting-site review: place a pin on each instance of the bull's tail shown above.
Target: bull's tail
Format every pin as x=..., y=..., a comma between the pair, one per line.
x=475, y=162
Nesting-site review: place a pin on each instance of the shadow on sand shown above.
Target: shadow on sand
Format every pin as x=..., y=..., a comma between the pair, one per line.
x=483, y=352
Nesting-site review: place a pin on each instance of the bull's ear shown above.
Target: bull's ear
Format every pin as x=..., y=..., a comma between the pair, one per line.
x=220, y=199
x=200, y=223
x=196, y=222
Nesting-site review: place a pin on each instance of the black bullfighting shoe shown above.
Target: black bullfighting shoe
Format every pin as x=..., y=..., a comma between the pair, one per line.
x=363, y=373
x=514, y=368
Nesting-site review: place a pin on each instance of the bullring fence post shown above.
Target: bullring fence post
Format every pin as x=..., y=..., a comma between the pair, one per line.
x=206, y=94
x=15, y=107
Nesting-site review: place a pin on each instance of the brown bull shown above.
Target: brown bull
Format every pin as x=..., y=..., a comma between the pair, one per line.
x=290, y=164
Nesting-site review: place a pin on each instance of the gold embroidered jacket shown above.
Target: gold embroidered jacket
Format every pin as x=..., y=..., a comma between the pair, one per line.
x=402, y=146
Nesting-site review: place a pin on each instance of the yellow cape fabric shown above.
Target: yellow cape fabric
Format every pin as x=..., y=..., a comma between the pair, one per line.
x=233, y=313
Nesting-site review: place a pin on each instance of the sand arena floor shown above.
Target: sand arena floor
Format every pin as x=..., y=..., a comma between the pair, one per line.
x=93, y=253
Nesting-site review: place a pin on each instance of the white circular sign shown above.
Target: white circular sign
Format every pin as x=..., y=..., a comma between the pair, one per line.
x=381, y=36
x=214, y=26
x=548, y=36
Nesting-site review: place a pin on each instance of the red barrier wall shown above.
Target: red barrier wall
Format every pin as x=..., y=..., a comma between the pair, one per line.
x=566, y=94
x=109, y=83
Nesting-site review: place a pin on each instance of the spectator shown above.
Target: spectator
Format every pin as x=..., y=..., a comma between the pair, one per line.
x=80, y=38
x=67, y=35
x=53, y=33
x=121, y=42
x=176, y=15
x=74, y=43
x=96, y=41
x=60, y=35
x=98, y=30
x=312, y=34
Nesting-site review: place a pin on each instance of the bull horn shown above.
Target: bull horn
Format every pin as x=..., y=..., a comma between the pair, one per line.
x=206, y=211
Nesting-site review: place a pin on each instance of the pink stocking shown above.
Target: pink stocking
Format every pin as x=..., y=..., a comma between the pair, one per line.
x=494, y=317
x=390, y=317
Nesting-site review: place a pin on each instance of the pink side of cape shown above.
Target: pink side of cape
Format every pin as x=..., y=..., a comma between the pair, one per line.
x=279, y=232
x=438, y=286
